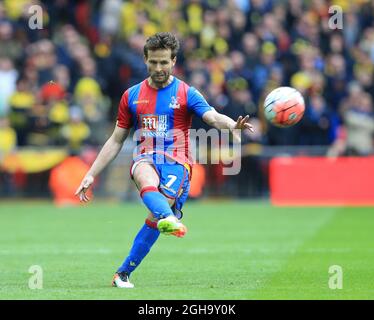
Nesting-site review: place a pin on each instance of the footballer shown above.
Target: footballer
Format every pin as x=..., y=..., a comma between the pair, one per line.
x=160, y=110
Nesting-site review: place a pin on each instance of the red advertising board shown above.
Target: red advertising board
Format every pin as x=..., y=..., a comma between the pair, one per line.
x=322, y=181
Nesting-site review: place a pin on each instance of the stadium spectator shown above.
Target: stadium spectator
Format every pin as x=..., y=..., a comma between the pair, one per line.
x=359, y=122
x=8, y=137
x=76, y=131
x=316, y=123
x=10, y=47
x=8, y=142
x=8, y=78
x=21, y=104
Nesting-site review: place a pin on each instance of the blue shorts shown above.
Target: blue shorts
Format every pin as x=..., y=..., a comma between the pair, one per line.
x=174, y=178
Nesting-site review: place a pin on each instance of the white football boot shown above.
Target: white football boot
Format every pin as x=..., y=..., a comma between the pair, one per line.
x=121, y=280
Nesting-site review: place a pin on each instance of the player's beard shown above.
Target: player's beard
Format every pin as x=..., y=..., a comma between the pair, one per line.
x=160, y=79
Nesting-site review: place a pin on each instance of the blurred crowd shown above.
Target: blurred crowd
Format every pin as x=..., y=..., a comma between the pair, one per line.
x=61, y=85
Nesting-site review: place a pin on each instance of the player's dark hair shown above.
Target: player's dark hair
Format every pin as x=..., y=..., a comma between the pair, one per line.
x=162, y=40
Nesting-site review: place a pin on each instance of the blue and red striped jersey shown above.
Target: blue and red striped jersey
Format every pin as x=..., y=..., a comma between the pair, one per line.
x=162, y=117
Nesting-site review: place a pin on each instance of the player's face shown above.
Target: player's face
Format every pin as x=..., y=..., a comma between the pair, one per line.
x=160, y=65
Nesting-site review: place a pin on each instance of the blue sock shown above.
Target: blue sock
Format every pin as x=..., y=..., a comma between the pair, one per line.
x=156, y=202
x=143, y=242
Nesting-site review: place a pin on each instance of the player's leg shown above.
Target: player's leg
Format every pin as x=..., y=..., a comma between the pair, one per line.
x=172, y=180
x=146, y=180
x=178, y=204
x=143, y=242
x=149, y=177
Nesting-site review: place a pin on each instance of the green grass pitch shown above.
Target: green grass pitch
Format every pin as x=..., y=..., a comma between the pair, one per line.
x=233, y=250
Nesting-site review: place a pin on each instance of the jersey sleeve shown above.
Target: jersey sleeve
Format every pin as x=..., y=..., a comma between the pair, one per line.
x=124, y=118
x=196, y=102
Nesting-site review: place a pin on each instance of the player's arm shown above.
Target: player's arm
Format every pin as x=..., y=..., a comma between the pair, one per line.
x=109, y=151
x=220, y=121
x=197, y=103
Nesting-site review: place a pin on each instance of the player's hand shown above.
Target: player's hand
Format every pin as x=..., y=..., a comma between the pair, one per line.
x=82, y=189
x=242, y=124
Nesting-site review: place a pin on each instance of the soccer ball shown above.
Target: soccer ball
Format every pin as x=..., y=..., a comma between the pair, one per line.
x=284, y=107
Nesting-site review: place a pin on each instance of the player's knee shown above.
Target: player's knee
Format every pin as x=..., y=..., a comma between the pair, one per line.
x=145, y=175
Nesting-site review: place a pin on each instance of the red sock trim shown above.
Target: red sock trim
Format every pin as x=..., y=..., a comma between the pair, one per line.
x=151, y=224
x=148, y=189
